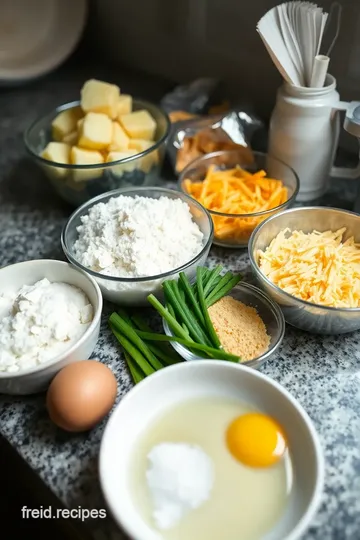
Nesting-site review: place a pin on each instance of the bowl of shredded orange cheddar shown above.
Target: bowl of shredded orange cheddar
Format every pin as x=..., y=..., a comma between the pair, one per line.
x=237, y=194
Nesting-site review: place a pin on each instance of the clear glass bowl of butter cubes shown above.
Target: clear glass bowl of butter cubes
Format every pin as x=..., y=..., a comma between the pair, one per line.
x=105, y=141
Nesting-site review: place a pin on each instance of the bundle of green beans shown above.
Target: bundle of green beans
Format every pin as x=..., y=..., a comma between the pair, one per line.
x=186, y=312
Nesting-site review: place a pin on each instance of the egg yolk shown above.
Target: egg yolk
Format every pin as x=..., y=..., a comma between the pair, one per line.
x=255, y=440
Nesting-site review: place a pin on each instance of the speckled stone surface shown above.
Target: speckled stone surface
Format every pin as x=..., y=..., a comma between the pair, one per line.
x=321, y=372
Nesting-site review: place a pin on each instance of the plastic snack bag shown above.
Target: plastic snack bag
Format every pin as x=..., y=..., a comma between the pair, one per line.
x=203, y=122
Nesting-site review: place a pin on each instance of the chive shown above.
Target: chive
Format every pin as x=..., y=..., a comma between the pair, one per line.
x=164, y=351
x=122, y=326
x=183, y=325
x=140, y=323
x=195, y=330
x=170, y=319
x=191, y=297
x=186, y=330
x=223, y=281
x=135, y=371
x=206, y=276
x=133, y=352
x=214, y=353
x=210, y=284
x=190, y=320
x=216, y=296
x=209, y=325
x=122, y=313
x=168, y=359
x=172, y=312
x=181, y=292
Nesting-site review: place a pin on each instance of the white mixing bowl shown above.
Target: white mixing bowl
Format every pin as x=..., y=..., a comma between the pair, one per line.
x=12, y=278
x=189, y=380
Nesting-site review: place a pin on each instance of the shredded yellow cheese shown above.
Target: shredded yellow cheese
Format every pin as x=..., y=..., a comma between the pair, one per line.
x=318, y=267
x=237, y=191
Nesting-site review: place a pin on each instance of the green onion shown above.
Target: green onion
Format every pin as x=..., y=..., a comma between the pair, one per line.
x=167, y=359
x=191, y=297
x=180, y=307
x=169, y=318
x=186, y=313
x=122, y=326
x=219, y=293
x=135, y=371
x=133, y=352
x=213, y=335
x=214, y=353
x=122, y=313
x=213, y=278
x=164, y=352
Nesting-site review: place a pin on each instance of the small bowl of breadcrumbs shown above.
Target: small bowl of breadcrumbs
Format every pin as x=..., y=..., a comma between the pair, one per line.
x=248, y=323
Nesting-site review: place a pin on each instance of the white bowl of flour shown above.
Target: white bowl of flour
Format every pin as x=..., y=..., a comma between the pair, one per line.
x=49, y=317
x=131, y=240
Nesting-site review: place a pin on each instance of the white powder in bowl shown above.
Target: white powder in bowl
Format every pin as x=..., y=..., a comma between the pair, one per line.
x=40, y=321
x=180, y=478
x=137, y=236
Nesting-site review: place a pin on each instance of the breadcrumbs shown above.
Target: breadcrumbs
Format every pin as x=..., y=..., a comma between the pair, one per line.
x=240, y=329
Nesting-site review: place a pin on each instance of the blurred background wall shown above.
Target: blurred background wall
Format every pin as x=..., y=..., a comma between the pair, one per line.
x=185, y=39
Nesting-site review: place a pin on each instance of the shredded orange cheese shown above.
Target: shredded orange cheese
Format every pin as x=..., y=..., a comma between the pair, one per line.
x=318, y=267
x=236, y=191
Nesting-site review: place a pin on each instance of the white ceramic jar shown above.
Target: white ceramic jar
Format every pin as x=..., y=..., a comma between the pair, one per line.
x=304, y=132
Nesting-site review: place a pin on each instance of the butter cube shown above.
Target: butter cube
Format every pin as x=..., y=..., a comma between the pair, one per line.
x=95, y=131
x=148, y=160
x=120, y=141
x=65, y=123
x=124, y=105
x=139, y=125
x=140, y=144
x=71, y=138
x=79, y=156
x=101, y=97
x=123, y=167
x=57, y=152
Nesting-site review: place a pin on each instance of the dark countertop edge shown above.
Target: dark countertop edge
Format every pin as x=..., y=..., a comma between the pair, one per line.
x=38, y=493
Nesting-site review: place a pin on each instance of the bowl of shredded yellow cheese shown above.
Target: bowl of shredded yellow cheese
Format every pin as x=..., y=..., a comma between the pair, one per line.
x=239, y=195
x=308, y=261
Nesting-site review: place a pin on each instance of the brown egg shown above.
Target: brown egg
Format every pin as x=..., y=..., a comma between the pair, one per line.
x=80, y=395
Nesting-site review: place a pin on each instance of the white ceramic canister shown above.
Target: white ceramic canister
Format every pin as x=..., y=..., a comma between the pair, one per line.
x=304, y=133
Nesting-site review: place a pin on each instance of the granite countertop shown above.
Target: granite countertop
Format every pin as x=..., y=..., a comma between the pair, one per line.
x=321, y=372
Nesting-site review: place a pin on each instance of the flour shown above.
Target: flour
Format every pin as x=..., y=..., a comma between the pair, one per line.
x=180, y=478
x=39, y=322
x=137, y=237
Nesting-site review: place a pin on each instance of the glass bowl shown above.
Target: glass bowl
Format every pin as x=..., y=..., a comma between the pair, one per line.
x=228, y=159
x=77, y=184
x=134, y=291
x=269, y=312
